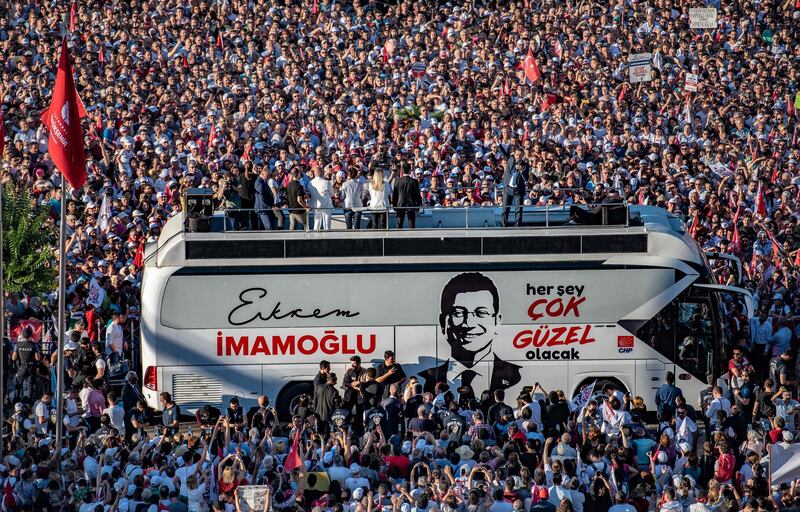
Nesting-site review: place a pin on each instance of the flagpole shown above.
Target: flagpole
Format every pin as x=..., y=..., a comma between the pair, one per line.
x=62, y=308
x=2, y=328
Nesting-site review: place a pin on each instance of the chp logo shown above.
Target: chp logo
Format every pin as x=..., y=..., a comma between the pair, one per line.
x=625, y=344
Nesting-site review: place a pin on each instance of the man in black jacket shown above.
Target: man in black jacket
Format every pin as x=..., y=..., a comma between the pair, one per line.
x=328, y=398
x=406, y=198
x=514, y=187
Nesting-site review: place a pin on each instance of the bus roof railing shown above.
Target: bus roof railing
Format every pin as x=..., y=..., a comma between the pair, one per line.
x=425, y=217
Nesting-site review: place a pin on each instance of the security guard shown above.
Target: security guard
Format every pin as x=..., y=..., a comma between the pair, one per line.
x=26, y=355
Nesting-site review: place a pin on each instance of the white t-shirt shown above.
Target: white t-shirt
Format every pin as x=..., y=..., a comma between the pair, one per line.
x=41, y=409
x=90, y=468
x=196, y=498
x=183, y=473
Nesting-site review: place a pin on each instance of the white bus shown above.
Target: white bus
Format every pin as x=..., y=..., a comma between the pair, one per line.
x=249, y=313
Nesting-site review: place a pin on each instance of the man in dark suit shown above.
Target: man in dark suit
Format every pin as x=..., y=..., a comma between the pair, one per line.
x=265, y=201
x=514, y=187
x=406, y=198
x=469, y=317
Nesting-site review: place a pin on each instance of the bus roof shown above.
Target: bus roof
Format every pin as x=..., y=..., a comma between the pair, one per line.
x=442, y=235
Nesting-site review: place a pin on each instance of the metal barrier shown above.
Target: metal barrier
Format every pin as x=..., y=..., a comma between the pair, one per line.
x=473, y=217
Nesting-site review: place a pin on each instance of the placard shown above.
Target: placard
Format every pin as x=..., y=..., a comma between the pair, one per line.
x=691, y=82
x=640, y=68
x=252, y=497
x=703, y=17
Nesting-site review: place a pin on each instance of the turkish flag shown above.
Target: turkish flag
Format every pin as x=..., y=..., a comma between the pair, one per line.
x=138, y=259
x=293, y=459
x=531, y=68
x=550, y=100
x=219, y=39
x=735, y=246
x=63, y=122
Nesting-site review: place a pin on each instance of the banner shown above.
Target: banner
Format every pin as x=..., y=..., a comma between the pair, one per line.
x=105, y=213
x=252, y=497
x=640, y=68
x=582, y=398
x=96, y=294
x=691, y=82
x=784, y=463
x=703, y=17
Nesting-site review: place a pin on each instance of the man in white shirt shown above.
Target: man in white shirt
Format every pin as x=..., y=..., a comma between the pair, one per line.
x=114, y=337
x=718, y=403
x=321, y=192
x=356, y=480
x=42, y=412
x=115, y=412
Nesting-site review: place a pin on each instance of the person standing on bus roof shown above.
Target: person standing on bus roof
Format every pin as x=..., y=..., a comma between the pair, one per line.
x=390, y=372
x=406, y=197
x=469, y=318
x=296, y=199
x=265, y=200
x=321, y=192
x=514, y=186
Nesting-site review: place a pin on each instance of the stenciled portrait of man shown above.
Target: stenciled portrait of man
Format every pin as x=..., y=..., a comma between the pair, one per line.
x=469, y=318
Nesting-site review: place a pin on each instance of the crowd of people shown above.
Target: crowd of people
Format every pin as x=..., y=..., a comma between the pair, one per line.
x=282, y=107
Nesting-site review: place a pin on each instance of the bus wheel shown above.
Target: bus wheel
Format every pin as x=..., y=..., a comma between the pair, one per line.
x=289, y=397
x=599, y=385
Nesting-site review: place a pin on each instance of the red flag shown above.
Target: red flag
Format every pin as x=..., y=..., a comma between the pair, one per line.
x=63, y=121
x=101, y=57
x=531, y=68
x=622, y=93
x=212, y=135
x=736, y=242
x=73, y=15
x=219, y=39
x=185, y=62
x=506, y=88
x=550, y=100
x=138, y=260
x=315, y=7
x=761, y=203
x=385, y=54
x=293, y=459
x=797, y=259
x=444, y=32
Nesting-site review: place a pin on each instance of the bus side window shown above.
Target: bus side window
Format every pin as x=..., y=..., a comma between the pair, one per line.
x=659, y=331
x=694, y=331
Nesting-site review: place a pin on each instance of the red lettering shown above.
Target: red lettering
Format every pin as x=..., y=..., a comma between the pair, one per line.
x=219, y=343
x=558, y=336
x=532, y=309
x=572, y=335
x=540, y=336
x=307, y=344
x=572, y=305
x=328, y=343
x=554, y=308
x=283, y=347
x=585, y=338
x=232, y=347
x=366, y=349
x=522, y=339
x=260, y=346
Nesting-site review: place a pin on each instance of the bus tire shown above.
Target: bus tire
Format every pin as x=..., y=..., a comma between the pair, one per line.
x=600, y=384
x=288, y=396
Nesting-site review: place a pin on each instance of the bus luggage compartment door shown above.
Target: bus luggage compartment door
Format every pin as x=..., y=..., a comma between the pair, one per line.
x=195, y=386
